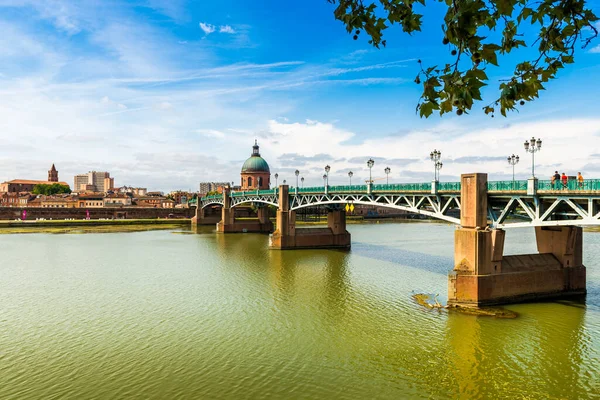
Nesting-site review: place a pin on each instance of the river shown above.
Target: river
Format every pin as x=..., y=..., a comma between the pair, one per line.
x=167, y=314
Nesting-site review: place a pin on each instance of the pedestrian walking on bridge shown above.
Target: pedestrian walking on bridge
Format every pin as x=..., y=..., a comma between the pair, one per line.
x=565, y=181
x=580, y=180
x=555, y=180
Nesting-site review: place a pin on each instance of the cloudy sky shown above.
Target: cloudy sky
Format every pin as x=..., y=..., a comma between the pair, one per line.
x=167, y=93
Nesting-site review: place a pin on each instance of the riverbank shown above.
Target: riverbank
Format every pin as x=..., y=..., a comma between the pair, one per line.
x=90, y=226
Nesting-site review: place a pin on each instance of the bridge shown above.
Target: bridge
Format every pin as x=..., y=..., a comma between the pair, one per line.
x=510, y=205
x=481, y=210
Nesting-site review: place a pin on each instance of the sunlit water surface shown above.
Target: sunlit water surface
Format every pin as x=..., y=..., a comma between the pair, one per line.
x=164, y=315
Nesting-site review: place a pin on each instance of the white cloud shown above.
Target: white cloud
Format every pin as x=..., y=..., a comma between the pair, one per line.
x=226, y=29
x=207, y=28
x=211, y=133
x=165, y=105
x=566, y=146
x=595, y=49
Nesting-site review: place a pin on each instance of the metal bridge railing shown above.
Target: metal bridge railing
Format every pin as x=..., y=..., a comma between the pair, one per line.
x=507, y=186
x=589, y=185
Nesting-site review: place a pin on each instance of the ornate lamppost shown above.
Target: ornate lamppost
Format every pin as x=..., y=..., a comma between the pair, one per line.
x=296, y=173
x=532, y=146
x=302, y=180
x=387, y=175
x=327, y=169
x=350, y=173
x=325, y=180
x=276, y=176
x=513, y=160
x=435, y=156
x=438, y=166
x=370, y=164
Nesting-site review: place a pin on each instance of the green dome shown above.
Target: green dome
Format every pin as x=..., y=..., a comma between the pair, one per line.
x=255, y=164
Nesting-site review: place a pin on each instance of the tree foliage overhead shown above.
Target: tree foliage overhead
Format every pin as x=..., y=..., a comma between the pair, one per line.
x=50, y=189
x=477, y=32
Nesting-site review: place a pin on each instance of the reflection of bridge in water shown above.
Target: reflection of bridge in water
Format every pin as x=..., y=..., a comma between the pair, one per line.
x=481, y=209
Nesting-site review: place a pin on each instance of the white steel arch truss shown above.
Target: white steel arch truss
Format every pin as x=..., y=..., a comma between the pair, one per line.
x=435, y=206
x=518, y=211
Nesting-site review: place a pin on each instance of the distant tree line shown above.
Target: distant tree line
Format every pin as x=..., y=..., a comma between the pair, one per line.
x=55, y=188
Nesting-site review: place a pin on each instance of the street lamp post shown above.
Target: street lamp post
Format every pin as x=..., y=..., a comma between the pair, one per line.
x=438, y=166
x=276, y=176
x=532, y=146
x=325, y=181
x=296, y=173
x=387, y=175
x=302, y=180
x=370, y=164
x=435, y=156
x=327, y=169
x=350, y=173
x=513, y=160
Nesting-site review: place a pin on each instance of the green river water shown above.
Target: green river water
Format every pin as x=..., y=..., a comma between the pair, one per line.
x=166, y=315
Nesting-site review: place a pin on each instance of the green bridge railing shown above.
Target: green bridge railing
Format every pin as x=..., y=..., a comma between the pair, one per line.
x=590, y=185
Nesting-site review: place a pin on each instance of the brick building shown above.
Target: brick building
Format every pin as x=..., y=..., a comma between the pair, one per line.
x=256, y=173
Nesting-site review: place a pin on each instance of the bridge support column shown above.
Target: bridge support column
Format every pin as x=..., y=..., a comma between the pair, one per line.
x=229, y=224
x=482, y=275
x=286, y=236
x=199, y=215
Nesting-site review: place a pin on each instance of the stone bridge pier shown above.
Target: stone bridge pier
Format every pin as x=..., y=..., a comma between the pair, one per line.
x=229, y=224
x=482, y=275
x=286, y=236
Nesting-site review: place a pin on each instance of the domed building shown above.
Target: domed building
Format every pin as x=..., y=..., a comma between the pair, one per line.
x=256, y=173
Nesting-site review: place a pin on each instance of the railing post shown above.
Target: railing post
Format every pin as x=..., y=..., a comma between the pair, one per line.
x=532, y=186
x=434, y=187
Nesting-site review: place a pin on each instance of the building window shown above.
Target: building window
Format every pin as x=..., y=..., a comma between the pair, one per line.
x=260, y=181
x=250, y=182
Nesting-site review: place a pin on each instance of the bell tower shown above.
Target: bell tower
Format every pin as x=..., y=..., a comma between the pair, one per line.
x=53, y=174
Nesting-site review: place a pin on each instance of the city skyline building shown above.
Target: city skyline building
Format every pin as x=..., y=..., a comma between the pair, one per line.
x=206, y=187
x=93, y=181
x=27, y=185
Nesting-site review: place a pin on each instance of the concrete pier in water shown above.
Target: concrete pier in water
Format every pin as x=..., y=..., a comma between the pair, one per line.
x=482, y=275
x=286, y=236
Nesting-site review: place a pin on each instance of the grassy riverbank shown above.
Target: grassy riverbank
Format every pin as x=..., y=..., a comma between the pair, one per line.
x=90, y=226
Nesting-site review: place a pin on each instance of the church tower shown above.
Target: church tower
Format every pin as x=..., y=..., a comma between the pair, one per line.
x=53, y=174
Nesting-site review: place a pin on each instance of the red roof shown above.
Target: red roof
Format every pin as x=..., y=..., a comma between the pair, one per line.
x=32, y=182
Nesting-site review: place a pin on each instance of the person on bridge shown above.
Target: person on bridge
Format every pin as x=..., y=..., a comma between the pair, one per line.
x=580, y=180
x=555, y=180
x=565, y=180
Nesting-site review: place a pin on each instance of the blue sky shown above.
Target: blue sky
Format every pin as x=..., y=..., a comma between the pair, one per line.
x=165, y=94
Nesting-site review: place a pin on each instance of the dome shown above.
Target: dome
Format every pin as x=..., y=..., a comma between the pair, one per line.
x=255, y=163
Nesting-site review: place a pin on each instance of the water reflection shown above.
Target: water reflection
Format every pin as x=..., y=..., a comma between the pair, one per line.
x=542, y=355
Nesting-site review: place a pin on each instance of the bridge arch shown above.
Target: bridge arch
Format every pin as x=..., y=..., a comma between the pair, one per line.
x=437, y=213
x=246, y=201
x=212, y=203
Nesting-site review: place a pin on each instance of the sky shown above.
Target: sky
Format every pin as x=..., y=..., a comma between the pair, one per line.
x=165, y=94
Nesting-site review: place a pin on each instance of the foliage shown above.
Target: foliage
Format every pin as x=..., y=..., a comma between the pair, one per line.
x=48, y=190
x=476, y=32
